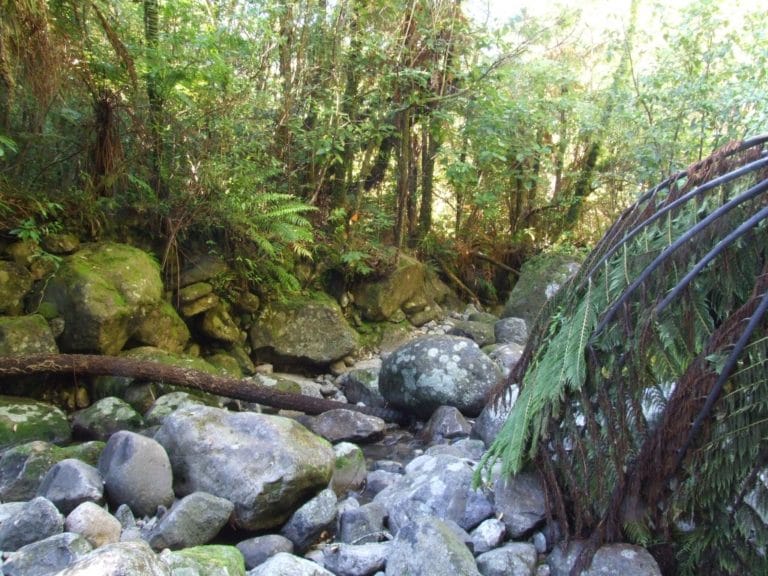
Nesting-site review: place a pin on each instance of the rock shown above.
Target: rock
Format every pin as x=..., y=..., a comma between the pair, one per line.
x=487, y=536
x=23, y=420
x=466, y=448
x=94, y=523
x=200, y=305
x=247, y=302
x=513, y=559
x=349, y=470
x=480, y=332
x=265, y=465
x=431, y=313
x=136, y=472
x=102, y=292
x=360, y=560
x=624, y=559
x=31, y=521
x=47, y=556
x=521, y=502
x=439, y=486
x=378, y=480
x=494, y=414
x=259, y=549
x=25, y=335
x=192, y=521
x=15, y=282
x=60, y=244
x=433, y=371
x=203, y=268
x=430, y=547
x=71, y=482
x=445, y=423
x=303, y=332
x=168, y=404
x=309, y=521
x=362, y=525
x=189, y=294
x=105, y=417
x=511, y=331
x=380, y=299
x=347, y=425
x=23, y=467
x=484, y=317
x=541, y=277
x=284, y=564
x=119, y=559
x=217, y=323
x=213, y=560
x=506, y=356
x=163, y=328
x=226, y=364
x=361, y=386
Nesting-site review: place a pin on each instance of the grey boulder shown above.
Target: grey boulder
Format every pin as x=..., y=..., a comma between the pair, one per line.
x=192, y=521
x=28, y=522
x=513, y=559
x=94, y=523
x=259, y=549
x=70, y=483
x=521, y=501
x=120, y=559
x=348, y=560
x=309, y=521
x=347, y=425
x=47, y=556
x=284, y=564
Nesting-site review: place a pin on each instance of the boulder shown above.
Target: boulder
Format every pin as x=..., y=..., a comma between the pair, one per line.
x=430, y=547
x=94, y=524
x=349, y=471
x=303, y=332
x=433, y=371
x=480, y=332
x=506, y=356
x=363, y=524
x=487, y=536
x=540, y=279
x=168, y=404
x=212, y=560
x=521, y=502
x=284, y=564
x=361, y=385
x=218, y=324
x=347, y=425
x=494, y=414
x=23, y=523
x=512, y=559
x=511, y=331
x=23, y=467
x=23, y=420
x=71, y=482
x=60, y=244
x=105, y=417
x=259, y=549
x=309, y=521
x=265, y=465
x=26, y=335
x=356, y=560
x=119, y=559
x=380, y=299
x=103, y=291
x=624, y=559
x=203, y=268
x=446, y=423
x=47, y=556
x=136, y=472
x=15, y=282
x=163, y=328
x=192, y=521
x=439, y=486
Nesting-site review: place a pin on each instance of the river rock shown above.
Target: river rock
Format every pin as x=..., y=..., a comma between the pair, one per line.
x=380, y=299
x=506, y=356
x=94, y=523
x=211, y=560
x=102, y=292
x=192, y=521
x=218, y=324
x=23, y=420
x=105, y=417
x=430, y=547
x=347, y=425
x=446, y=423
x=357, y=560
x=488, y=425
x=71, y=482
x=439, y=486
x=540, y=279
x=624, y=559
x=119, y=559
x=163, y=328
x=168, y=404
x=284, y=564
x=136, y=472
x=349, y=470
x=265, y=465
x=15, y=282
x=259, y=549
x=303, y=332
x=487, y=536
x=433, y=371
x=512, y=559
x=27, y=523
x=361, y=385
x=47, y=556
x=521, y=502
x=202, y=268
x=511, y=331
x=23, y=467
x=480, y=332
x=309, y=521
x=25, y=335
x=363, y=524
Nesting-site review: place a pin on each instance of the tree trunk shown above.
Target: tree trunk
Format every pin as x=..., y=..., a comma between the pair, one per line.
x=151, y=35
x=93, y=365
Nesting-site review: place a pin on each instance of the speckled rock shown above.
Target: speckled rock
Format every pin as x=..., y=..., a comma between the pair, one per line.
x=363, y=524
x=212, y=560
x=28, y=522
x=265, y=465
x=506, y=356
x=105, y=417
x=26, y=335
x=284, y=564
x=347, y=425
x=120, y=559
x=47, y=556
x=438, y=370
x=23, y=420
x=192, y=521
x=71, y=482
x=511, y=331
x=136, y=472
x=487, y=536
x=361, y=385
x=217, y=323
x=309, y=521
x=94, y=523
x=494, y=414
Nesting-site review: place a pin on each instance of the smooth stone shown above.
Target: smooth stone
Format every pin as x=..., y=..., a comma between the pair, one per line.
x=284, y=564
x=513, y=559
x=192, y=521
x=70, y=483
x=309, y=521
x=259, y=549
x=94, y=523
x=120, y=559
x=29, y=522
x=46, y=557
x=359, y=560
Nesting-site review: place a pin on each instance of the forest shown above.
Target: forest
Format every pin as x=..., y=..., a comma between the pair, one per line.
x=334, y=134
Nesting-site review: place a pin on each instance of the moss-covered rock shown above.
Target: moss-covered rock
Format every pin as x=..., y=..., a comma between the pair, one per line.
x=15, y=282
x=103, y=292
x=26, y=335
x=163, y=328
x=23, y=420
x=349, y=470
x=379, y=300
x=105, y=417
x=218, y=324
x=210, y=560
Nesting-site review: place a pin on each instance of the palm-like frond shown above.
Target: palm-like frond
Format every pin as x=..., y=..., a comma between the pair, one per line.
x=644, y=396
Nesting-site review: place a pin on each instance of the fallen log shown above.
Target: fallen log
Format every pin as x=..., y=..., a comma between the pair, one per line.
x=95, y=365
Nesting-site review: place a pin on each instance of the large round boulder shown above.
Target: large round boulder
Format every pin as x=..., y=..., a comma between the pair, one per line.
x=303, y=332
x=103, y=291
x=267, y=466
x=438, y=370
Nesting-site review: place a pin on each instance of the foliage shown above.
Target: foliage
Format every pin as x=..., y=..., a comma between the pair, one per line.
x=651, y=369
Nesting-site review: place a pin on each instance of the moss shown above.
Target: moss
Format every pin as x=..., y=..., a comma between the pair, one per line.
x=23, y=420
x=212, y=560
